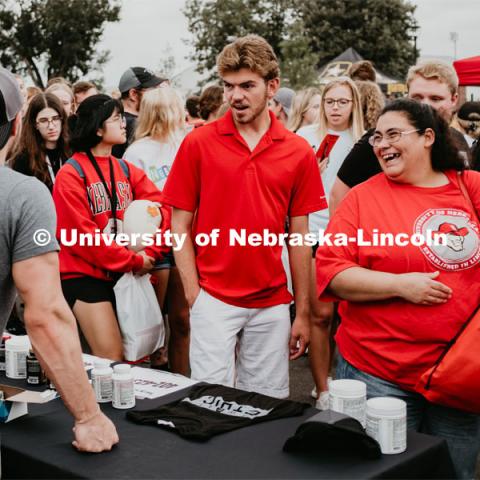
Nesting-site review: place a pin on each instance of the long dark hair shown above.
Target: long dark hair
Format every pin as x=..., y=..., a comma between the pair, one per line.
x=444, y=154
x=91, y=114
x=31, y=143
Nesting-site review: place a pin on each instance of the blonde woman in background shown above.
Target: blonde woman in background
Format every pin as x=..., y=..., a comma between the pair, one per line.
x=340, y=115
x=305, y=108
x=65, y=94
x=160, y=130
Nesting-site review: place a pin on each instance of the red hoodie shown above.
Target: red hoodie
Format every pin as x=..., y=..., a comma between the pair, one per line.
x=71, y=195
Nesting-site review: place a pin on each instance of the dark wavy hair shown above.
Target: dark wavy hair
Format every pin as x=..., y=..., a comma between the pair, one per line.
x=31, y=144
x=89, y=117
x=444, y=154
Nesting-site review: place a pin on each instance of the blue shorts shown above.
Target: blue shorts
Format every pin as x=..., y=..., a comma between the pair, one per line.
x=167, y=262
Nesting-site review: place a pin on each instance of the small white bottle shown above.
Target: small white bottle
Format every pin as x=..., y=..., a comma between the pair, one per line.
x=123, y=390
x=102, y=380
x=16, y=352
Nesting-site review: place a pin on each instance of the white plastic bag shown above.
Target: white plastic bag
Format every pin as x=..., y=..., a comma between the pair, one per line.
x=139, y=316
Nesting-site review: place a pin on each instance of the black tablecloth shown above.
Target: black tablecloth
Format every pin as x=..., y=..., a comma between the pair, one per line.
x=38, y=446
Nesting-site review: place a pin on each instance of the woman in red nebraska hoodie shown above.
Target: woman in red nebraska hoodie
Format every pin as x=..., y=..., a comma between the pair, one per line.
x=87, y=204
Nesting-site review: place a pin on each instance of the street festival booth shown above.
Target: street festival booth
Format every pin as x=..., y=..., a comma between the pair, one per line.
x=339, y=65
x=468, y=71
x=183, y=429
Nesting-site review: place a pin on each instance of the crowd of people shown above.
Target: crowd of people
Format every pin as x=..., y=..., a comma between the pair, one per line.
x=251, y=155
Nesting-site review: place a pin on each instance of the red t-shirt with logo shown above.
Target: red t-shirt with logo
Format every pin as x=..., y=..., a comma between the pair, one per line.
x=83, y=205
x=394, y=339
x=232, y=189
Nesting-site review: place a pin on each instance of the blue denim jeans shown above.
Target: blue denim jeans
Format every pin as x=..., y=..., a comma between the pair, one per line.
x=460, y=429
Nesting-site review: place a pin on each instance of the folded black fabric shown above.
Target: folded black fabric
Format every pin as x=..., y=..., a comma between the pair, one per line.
x=330, y=430
x=209, y=410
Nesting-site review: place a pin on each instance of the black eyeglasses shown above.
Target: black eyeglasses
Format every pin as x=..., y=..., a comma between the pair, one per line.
x=341, y=102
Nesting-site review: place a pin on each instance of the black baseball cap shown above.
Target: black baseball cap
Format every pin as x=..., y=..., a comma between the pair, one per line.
x=469, y=111
x=138, y=77
x=11, y=102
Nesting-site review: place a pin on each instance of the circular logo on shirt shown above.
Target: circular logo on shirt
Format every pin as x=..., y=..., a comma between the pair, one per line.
x=461, y=248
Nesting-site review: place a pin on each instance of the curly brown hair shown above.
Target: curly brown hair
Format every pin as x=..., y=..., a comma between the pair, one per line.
x=252, y=52
x=362, y=70
x=372, y=101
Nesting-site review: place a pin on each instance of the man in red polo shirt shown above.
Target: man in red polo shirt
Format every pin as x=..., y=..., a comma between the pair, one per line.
x=232, y=185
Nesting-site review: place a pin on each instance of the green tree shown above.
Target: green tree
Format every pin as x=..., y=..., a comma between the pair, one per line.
x=213, y=23
x=299, y=64
x=380, y=30
x=55, y=37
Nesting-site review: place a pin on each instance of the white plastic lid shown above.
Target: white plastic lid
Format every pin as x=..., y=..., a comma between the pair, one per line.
x=349, y=388
x=21, y=341
x=121, y=368
x=101, y=363
x=386, y=406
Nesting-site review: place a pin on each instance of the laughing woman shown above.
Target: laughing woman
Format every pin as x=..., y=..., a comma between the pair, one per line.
x=402, y=304
x=43, y=145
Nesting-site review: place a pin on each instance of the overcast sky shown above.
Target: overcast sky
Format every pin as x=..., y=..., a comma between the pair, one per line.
x=148, y=26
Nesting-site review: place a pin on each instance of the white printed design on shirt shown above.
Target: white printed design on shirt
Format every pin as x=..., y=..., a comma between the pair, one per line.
x=219, y=405
x=462, y=248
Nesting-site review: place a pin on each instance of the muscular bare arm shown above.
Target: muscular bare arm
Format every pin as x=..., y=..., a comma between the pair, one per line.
x=53, y=333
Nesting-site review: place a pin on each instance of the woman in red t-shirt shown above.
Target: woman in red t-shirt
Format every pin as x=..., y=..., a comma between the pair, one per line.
x=402, y=301
x=86, y=203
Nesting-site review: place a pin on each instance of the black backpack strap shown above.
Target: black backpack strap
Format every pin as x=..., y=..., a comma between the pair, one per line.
x=81, y=173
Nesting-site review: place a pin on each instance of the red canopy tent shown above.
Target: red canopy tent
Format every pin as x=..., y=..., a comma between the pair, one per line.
x=468, y=71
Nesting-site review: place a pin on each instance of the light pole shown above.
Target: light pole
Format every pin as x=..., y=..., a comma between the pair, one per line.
x=454, y=39
x=414, y=27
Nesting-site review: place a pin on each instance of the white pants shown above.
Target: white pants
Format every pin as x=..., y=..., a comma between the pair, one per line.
x=242, y=347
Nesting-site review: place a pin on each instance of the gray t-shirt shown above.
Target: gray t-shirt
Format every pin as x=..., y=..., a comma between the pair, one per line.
x=26, y=206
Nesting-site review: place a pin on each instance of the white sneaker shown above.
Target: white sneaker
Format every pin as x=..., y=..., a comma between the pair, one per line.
x=323, y=402
x=314, y=393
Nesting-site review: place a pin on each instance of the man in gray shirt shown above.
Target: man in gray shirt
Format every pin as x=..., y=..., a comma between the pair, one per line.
x=29, y=262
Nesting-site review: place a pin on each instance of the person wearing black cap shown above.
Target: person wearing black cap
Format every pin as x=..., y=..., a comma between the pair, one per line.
x=468, y=121
x=29, y=262
x=133, y=83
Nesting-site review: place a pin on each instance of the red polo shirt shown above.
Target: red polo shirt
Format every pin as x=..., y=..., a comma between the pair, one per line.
x=233, y=189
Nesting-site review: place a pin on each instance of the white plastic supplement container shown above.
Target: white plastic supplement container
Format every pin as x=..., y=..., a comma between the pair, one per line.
x=123, y=391
x=16, y=352
x=102, y=381
x=349, y=397
x=387, y=423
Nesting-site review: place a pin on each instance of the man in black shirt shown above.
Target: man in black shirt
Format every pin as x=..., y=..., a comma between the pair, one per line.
x=133, y=84
x=433, y=83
